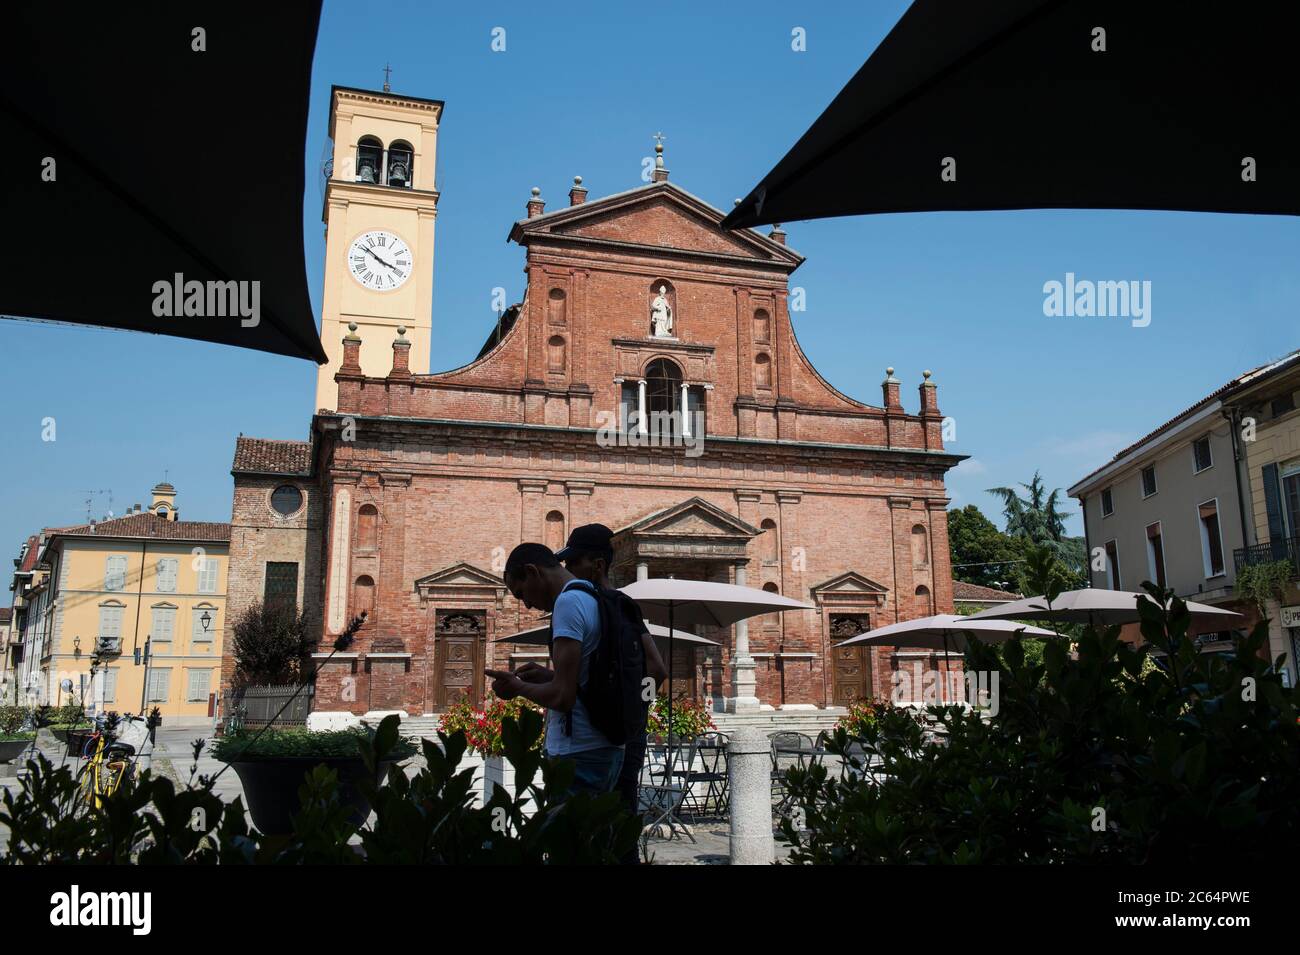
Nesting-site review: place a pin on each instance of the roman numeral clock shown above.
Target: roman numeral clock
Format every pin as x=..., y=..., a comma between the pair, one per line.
x=379, y=260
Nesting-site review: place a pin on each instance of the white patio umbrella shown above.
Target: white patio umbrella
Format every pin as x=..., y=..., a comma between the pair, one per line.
x=1093, y=605
x=946, y=629
x=693, y=602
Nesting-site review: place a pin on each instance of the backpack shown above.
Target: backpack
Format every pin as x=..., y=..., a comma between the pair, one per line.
x=614, y=694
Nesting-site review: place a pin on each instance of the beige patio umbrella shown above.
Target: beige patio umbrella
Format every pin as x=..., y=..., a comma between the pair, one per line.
x=947, y=630
x=540, y=636
x=693, y=602
x=1093, y=605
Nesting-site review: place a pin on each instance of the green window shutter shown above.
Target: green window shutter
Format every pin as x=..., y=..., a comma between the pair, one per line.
x=1273, y=505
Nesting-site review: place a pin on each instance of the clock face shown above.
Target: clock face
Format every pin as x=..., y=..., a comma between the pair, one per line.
x=380, y=261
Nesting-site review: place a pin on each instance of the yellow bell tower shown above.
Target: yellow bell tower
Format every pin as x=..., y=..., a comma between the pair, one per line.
x=381, y=200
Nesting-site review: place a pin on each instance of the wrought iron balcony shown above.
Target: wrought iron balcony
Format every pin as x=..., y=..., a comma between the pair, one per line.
x=1281, y=548
x=108, y=644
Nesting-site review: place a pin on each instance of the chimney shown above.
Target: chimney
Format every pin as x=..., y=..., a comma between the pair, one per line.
x=777, y=234
x=351, y=351
x=931, y=417
x=893, y=399
x=660, y=173
x=578, y=194
x=401, y=355
x=929, y=395
x=536, y=204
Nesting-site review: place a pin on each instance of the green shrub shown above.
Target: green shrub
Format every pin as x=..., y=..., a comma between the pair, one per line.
x=278, y=743
x=14, y=721
x=429, y=819
x=1094, y=759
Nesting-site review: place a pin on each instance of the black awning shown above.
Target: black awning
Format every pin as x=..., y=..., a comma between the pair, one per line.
x=1033, y=116
x=167, y=161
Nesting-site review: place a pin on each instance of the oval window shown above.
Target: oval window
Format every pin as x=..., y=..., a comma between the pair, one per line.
x=286, y=499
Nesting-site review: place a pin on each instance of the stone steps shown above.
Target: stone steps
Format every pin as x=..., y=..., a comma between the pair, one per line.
x=810, y=722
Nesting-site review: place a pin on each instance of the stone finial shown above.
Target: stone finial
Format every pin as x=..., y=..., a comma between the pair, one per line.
x=351, y=351
x=578, y=194
x=890, y=388
x=401, y=355
x=660, y=173
x=930, y=402
x=736, y=202
x=536, y=204
x=777, y=234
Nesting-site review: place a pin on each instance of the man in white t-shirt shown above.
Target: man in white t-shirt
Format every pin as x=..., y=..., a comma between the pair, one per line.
x=535, y=577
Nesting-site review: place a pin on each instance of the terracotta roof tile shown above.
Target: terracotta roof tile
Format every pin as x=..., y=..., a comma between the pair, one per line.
x=964, y=591
x=265, y=456
x=146, y=524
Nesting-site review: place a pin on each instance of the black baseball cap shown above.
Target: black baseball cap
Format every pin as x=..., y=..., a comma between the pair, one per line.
x=587, y=539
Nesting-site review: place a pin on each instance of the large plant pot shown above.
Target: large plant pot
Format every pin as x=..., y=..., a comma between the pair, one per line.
x=11, y=749
x=499, y=771
x=271, y=787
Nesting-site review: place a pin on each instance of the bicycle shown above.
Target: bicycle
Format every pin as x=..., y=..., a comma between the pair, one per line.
x=109, y=762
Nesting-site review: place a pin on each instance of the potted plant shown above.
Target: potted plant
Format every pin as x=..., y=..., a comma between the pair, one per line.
x=271, y=765
x=16, y=733
x=66, y=718
x=691, y=718
x=482, y=730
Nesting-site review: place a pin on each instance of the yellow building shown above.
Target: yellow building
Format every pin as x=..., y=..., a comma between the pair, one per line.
x=146, y=578
x=1265, y=411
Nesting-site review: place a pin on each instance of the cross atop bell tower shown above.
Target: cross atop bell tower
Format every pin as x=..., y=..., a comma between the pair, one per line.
x=381, y=200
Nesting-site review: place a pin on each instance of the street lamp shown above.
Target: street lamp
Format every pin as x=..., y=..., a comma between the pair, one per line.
x=206, y=620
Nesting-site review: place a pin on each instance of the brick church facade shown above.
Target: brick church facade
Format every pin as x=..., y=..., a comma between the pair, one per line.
x=409, y=494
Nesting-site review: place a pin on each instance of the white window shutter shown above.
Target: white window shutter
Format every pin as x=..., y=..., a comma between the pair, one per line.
x=115, y=573
x=167, y=568
x=208, y=576
x=199, y=683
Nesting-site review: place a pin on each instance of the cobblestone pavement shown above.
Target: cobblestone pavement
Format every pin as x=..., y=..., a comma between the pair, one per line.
x=173, y=757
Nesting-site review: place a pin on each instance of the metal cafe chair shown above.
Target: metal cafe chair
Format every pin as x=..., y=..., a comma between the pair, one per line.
x=662, y=786
x=711, y=758
x=789, y=750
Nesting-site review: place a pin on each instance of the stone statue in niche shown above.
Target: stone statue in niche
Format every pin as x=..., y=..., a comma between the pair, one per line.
x=661, y=315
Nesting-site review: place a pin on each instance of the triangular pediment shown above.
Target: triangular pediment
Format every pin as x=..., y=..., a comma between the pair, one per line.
x=660, y=215
x=693, y=518
x=459, y=575
x=850, y=582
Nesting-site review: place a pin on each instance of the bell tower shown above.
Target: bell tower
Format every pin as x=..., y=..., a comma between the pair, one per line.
x=381, y=200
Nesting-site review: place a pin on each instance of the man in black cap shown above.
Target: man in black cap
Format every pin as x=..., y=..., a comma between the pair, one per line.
x=587, y=555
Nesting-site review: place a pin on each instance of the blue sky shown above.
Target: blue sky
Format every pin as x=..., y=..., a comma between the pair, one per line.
x=579, y=90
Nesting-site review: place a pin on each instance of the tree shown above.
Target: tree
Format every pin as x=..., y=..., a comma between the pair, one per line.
x=1039, y=520
x=981, y=554
x=271, y=645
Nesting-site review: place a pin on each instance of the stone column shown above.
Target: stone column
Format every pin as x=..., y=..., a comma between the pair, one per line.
x=640, y=407
x=642, y=570
x=749, y=762
x=686, y=413
x=744, y=684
